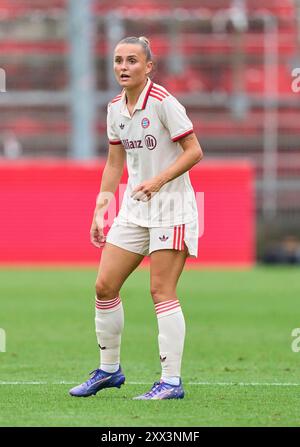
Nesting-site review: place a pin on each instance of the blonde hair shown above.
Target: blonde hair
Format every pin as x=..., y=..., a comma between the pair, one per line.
x=143, y=41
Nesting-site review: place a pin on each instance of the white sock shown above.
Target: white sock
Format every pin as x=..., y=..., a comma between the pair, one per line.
x=109, y=368
x=171, y=334
x=109, y=321
x=171, y=380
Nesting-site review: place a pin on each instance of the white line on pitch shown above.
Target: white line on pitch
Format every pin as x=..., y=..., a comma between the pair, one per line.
x=148, y=383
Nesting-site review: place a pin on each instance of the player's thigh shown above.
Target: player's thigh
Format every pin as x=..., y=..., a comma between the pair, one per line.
x=115, y=266
x=165, y=269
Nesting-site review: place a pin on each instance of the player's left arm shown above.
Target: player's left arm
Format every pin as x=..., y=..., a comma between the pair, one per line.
x=191, y=155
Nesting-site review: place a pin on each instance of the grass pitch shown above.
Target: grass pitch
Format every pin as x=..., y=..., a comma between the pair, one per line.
x=238, y=366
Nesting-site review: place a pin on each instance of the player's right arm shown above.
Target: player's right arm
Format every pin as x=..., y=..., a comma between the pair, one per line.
x=111, y=177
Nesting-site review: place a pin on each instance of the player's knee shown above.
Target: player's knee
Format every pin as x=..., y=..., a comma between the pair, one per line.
x=104, y=290
x=161, y=292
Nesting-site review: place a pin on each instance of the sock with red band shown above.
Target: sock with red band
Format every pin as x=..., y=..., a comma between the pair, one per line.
x=171, y=334
x=109, y=321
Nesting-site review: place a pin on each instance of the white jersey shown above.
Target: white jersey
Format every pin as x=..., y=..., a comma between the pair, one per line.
x=150, y=138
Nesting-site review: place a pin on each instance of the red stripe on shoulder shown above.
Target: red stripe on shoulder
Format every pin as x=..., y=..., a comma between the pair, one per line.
x=161, y=95
x=157, y=97
x=116, y=100
x=160, y=89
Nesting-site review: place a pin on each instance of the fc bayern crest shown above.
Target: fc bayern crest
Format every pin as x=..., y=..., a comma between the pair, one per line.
x=145, y=123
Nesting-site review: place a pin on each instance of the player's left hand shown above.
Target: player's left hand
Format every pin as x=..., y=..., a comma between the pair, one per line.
x=146, y=190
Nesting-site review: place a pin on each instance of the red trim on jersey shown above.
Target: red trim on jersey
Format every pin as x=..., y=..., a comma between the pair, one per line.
x=115, y=142
x=182, y=135
x=160, y=90
x=157, y=97
x=156, y=92
x=160, y=95
x=147, y=95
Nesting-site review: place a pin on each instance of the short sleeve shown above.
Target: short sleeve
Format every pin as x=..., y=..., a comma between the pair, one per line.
x=175, y=119
x=112, y=134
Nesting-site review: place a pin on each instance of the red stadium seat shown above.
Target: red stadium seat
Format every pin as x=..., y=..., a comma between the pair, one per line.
x=16, y=8
x=207, y=65
x=255, y=79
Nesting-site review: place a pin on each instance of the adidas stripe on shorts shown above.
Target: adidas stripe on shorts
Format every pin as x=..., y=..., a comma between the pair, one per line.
x=144, y=240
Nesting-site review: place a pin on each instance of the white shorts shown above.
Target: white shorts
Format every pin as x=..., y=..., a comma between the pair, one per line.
x=144, y=240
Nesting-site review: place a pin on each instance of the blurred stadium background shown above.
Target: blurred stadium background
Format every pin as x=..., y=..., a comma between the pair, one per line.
x=230, y=62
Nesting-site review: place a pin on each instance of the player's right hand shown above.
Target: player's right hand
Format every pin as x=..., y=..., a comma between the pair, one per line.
x=97, y=236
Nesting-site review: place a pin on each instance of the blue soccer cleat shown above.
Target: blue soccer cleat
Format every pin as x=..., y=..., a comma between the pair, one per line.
x=100, y=380
x=163, y=390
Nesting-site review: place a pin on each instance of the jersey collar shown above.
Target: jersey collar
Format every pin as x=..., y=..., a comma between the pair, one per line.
x=141, y=102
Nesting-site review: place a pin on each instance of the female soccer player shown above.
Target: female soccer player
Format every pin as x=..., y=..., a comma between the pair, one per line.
x=158, y=217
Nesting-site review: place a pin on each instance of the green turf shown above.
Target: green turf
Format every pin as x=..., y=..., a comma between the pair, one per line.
x=239, y=326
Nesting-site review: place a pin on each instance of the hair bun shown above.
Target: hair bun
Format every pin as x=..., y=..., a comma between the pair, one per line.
x=145, y=40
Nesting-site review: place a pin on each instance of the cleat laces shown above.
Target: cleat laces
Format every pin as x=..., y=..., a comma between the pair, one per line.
x=157, y=386
x=91, y=380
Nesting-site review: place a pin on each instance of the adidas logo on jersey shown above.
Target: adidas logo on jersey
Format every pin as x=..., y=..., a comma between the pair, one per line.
x=122, y=126
x=163, y=238
x=162, y=359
